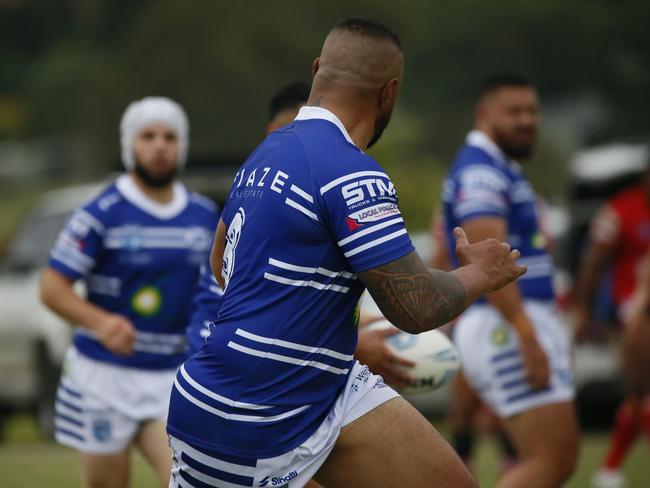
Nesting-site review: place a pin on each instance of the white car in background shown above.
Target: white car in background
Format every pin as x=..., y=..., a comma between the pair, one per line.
x=33, y=340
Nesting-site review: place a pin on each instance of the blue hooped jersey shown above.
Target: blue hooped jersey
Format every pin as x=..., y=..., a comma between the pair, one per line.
x=483, y=182
x=306, y=212
x=139, y=259
x=205, y=307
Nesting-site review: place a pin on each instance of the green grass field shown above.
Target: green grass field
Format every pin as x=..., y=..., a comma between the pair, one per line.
x=28, y=462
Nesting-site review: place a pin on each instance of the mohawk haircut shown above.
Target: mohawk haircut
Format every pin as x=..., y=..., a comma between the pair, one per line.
x=368, y=27
x=500, y=80
x=290, y=96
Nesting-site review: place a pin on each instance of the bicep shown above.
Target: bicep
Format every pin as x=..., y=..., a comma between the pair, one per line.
x=53, y=284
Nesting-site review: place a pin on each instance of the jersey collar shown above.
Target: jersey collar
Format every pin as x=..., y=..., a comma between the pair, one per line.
x=164, y=211
x=310, y=113
x=479, y=139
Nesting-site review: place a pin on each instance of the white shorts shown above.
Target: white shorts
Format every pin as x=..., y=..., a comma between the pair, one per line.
x=100, y=407
x=198, y=468
x=489, y=352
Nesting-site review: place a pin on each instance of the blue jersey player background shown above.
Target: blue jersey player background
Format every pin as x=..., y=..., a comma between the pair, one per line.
x=275, y=395
x=514, y=349
x=137, y=248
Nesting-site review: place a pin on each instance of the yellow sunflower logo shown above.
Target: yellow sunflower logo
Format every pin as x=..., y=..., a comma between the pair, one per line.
x=147, y=301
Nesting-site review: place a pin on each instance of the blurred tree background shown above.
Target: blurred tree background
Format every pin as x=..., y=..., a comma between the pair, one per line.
x=71, y=66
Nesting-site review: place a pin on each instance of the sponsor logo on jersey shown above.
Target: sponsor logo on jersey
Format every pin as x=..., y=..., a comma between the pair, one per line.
x=500, y=336
x=278, y=480
x=147, y=301
x=367, y=189
x=371, y=214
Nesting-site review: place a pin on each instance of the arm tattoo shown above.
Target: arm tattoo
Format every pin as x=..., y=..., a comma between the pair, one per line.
x=413, y=297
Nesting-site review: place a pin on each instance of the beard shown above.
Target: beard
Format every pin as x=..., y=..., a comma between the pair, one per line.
x=515, y=150
x=380, y=125
x=518, y=152
x=153, y=180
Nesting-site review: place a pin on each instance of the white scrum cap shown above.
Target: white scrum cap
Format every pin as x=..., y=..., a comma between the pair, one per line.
x=148, y=111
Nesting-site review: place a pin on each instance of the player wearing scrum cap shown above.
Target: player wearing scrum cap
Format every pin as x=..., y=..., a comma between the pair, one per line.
x=137, y=248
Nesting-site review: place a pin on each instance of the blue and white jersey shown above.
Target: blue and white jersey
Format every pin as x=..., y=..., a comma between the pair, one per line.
x=140, y=259
x=205, y=307
x=306, y=212
x=484, y=182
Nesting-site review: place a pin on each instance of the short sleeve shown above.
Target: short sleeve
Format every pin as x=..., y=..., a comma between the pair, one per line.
x=480, y=190
x=362, y=212
x=606, y=225
x=78, y=245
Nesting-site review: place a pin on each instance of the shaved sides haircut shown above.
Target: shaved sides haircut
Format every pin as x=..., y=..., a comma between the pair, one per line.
x=361, y=53
x=368, y=27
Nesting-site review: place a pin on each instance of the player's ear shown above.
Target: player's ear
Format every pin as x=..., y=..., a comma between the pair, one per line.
x=314, y=67
x=388, y=93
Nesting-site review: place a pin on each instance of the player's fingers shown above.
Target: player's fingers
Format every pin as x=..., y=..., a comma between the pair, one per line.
x=506, y=246
x=389, y=331
x=515, y=254
x=521, y=270
x=396, y=376
x=461, y=238
x=400, y=361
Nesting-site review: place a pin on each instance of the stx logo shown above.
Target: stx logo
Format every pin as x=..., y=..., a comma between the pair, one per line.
x=371, y=187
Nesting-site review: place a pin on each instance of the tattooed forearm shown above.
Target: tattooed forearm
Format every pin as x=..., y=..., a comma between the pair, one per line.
x=413, y=297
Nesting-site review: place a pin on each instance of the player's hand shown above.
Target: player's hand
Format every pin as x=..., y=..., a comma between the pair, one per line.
x=373, y=352
x=117, y=334
x=535, y=363
x=495, y=259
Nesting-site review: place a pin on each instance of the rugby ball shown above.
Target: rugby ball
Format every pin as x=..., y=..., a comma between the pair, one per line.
x=435, y=356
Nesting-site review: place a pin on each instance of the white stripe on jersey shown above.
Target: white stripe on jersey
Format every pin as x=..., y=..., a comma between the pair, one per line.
x=159, y=348
x=286, y=359
x=302, y=193
x=294, y=345
x=214, y=462
x=369, y=230
x=374, y=243
x=217, y=397
x=311, y=283
x=235, y=416
x=89, y=220
x=300, y=208
x=160, y=338
x=351, y=176
x=305, y=269
x=73, y=260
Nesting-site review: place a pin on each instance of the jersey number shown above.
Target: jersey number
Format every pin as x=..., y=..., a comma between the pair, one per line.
x=232, y=239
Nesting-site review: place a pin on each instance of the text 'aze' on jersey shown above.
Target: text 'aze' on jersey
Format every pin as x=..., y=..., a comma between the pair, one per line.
x=306, y=212
x=140, y=259
x=483, y=182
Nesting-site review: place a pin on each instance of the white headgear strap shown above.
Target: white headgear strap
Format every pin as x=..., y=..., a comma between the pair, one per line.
x=148, y=111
